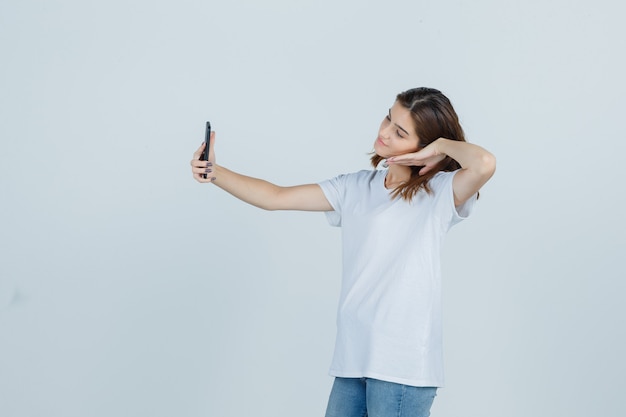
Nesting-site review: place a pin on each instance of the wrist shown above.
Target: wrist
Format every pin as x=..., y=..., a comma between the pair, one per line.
x=441, y=146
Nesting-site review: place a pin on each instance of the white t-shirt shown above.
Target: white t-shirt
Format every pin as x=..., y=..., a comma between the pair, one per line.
x=389, y=321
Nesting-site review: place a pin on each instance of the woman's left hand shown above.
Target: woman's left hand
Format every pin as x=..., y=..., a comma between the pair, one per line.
x=428, y=157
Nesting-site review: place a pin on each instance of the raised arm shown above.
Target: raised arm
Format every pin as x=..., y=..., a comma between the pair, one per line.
x=477, y=164
x=258, y=192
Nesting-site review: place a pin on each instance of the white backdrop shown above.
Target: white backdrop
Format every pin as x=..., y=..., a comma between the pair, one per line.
x=128, y=289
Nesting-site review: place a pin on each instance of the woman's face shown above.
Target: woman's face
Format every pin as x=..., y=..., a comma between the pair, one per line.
x=396, y=135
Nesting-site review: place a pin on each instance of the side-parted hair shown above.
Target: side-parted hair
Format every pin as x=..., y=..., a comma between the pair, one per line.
x=434, y=118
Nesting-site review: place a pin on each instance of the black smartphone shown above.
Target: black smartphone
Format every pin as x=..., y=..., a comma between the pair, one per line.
x=207, y=141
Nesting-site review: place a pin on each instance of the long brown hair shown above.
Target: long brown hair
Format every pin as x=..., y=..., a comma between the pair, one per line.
x=433, y=117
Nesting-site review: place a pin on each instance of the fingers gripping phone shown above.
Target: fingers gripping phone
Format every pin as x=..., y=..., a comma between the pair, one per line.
x=207, y=142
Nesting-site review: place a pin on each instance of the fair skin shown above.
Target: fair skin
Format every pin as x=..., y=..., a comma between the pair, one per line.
x=396, y=141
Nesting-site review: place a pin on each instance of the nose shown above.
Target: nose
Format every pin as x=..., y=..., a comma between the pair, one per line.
x=385, y=132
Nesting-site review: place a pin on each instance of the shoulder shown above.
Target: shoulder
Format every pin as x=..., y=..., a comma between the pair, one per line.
x=441, y=180
x=364, y=173
x=358, y=177
x=350, y=184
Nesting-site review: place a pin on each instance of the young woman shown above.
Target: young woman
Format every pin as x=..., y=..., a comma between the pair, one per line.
x=388, y=353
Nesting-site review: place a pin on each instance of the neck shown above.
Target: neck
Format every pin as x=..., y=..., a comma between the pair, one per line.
x=396, y=175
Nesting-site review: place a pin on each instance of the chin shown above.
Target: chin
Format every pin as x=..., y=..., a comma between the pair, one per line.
x=383, y=155
x=381, y=152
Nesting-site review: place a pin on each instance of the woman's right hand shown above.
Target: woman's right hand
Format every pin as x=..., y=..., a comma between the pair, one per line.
x=201, y=169
x=255, y=191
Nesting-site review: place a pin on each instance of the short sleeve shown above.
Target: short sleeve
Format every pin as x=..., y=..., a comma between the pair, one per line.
x=441, y=184
x=334, y=190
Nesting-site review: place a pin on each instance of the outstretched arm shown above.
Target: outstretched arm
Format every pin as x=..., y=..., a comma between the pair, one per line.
x=258, y=192
x=477, y=164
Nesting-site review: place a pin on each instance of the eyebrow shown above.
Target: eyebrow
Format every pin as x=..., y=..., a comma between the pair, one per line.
x=399, y=127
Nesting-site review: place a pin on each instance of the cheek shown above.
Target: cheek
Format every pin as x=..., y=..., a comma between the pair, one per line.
x=407, y=147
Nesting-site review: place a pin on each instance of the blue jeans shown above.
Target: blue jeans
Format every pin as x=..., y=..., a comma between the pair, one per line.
x=366, y=397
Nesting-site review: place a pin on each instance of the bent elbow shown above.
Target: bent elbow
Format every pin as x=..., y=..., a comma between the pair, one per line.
x=488, y=165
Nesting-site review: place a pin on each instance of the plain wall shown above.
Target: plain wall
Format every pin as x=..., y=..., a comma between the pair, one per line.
x=129, y=289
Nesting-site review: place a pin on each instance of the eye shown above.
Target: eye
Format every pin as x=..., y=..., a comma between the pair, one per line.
x=399, y=134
